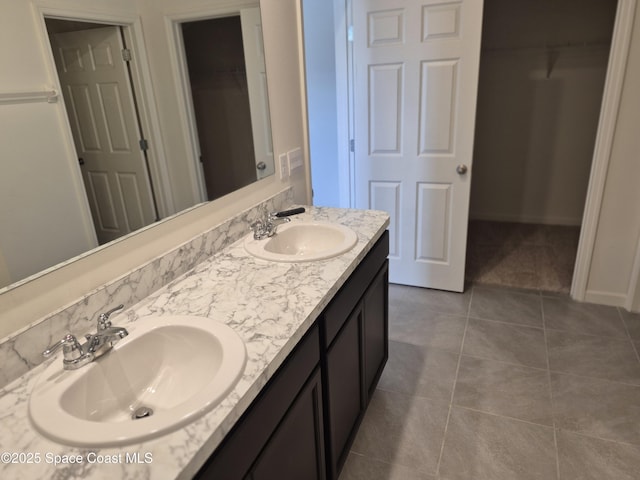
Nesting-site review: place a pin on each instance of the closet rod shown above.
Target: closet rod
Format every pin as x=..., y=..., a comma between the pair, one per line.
x=50, y=96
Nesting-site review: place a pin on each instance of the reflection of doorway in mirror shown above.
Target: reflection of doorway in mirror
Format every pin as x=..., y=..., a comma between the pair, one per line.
x=228, y=95
x=100, y=102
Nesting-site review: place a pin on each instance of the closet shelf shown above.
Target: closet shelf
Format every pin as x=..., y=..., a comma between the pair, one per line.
x=555, y=47
x=552, y=51
x=49, y=96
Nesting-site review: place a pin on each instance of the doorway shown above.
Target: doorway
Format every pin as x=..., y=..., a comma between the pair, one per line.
x=542, y=74
x=223, y=59
x=92, y=67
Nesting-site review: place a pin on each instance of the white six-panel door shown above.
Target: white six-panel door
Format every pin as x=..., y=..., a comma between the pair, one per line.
x=416, y=72
x=101, y=109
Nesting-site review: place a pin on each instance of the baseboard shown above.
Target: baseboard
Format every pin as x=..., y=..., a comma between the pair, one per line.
x=541, y=220
x=605, y=298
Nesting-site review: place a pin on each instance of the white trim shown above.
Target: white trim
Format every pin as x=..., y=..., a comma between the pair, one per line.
x=633, y=293
x=306, y=147
x=602, y=151
x=342, y=101
x=605, y=298
x=351, y=73
x=184, y=99
x=149, y=119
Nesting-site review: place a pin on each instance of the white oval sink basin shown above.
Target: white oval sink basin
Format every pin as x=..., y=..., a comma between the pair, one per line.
x=180, y=367
x=303, y=242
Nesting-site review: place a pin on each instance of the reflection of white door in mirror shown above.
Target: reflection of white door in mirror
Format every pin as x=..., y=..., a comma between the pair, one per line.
x=102, y=113
x=257, y=85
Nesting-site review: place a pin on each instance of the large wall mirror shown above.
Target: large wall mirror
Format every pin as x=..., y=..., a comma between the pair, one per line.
x=129, y=172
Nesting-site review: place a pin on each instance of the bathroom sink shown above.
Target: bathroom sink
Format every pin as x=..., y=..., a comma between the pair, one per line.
x=167, y=372
x=303, y=242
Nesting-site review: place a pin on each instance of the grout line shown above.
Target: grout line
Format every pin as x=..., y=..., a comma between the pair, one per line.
x=553, y=416
x=626, y=328
x=453, y=390
x=503, y=362
x=506, y=417
x=599, y=379
x=609, y=440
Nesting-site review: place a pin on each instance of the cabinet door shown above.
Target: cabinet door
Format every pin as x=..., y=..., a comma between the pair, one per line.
x=344, y=390
x=296, y=449
x=376, y=329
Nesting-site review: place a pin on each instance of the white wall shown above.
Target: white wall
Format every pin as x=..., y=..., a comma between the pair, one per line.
x=612, y=277
x=537, y=121
x=282, y=33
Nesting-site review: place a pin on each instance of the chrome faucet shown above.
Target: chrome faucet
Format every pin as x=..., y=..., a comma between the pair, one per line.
x=266, y=227
x=76, y=355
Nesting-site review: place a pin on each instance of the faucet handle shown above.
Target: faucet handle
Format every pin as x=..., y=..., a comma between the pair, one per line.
x=70, y=346
x=287, y=213
x=103, y=318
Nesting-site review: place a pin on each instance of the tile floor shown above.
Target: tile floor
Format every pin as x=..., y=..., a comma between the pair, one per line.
x=500, y=384
x=522, y=255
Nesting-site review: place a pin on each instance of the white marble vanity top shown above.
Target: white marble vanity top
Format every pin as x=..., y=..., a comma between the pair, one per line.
x=271, y=305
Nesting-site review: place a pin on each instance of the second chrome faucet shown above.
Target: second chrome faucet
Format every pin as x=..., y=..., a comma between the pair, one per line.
x=267, y=226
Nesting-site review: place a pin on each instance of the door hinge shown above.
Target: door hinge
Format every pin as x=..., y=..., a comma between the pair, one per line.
x=126, y=54
x=352, y=145
x=144, y=145
x=350, y=33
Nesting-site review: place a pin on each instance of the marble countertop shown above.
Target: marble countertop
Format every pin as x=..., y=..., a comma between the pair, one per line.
x=270, y=305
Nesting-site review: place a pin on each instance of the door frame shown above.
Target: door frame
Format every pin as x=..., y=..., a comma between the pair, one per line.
x=141, y=84
x=619, y=52
x=184, y=97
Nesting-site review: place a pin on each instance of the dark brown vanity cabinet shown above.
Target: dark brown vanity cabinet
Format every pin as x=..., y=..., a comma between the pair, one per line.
x=354, y=333
x=304, y=421
x=281, y=435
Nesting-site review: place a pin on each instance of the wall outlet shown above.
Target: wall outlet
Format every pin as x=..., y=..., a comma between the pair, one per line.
x=295, y=159
x=284, y=166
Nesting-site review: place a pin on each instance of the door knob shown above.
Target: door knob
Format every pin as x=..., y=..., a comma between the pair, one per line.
x=261, y=166
x=461, y=169
x=81, y=161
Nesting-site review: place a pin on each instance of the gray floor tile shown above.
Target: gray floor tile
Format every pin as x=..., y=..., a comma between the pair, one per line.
x=479, y=446
x=601, y=357
x=506, y=306
x=427, y=299
x=584, y=318
x=586, y=458
x=359, y=467
x=425, y=372
x=504, y=389
x=596, y=407
x=505, y=342
x=413, y=325
x=632, y=321
x=402, y=430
